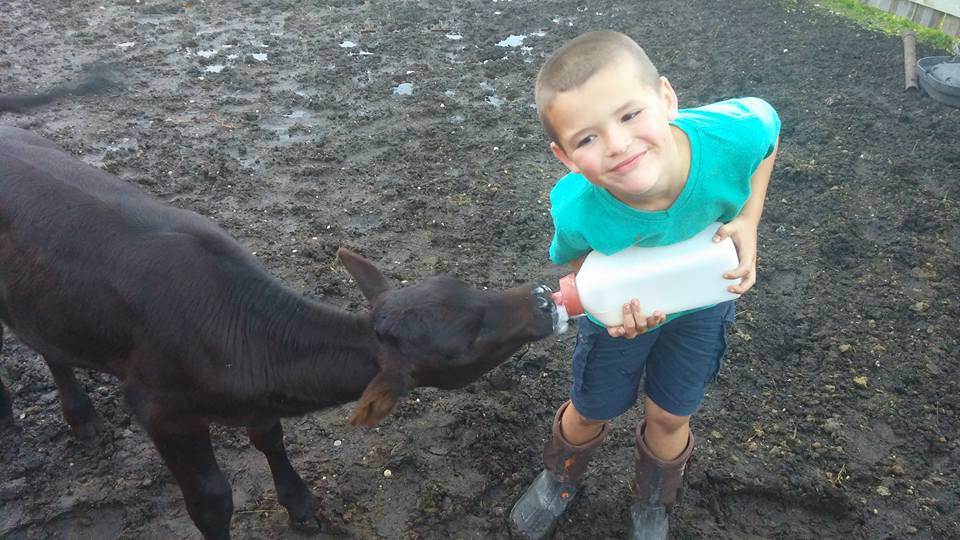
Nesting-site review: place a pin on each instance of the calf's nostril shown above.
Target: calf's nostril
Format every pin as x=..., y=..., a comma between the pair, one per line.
x=541, y=290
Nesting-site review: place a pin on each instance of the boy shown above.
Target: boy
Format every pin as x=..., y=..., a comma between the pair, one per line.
x=642, y=172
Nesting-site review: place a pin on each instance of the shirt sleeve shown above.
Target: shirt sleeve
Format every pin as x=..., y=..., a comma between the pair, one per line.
x=769, y=120
x=567, y=247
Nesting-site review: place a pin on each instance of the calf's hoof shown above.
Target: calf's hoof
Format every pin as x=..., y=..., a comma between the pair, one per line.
x=320, y=526
x=89, y=430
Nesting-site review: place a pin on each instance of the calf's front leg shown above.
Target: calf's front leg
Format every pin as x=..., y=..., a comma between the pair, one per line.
x=185, y=448
x=6, y=406
x=292, y=491
x=77, y=408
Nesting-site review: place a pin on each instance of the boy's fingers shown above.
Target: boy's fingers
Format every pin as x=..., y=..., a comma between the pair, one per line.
x=745, y=285
x=629, y=321
x=738, y=272
x=721, y=233
x=633, y=320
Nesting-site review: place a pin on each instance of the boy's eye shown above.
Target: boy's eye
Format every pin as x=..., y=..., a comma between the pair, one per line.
x=630, y=116
x=585, y=141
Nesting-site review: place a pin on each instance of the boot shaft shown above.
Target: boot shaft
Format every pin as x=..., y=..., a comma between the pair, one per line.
x=567, y=462
x=535, y=515
x=658, y=482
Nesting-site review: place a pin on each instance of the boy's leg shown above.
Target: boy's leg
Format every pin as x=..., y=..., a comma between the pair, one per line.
x=683, y=362
x=535, y=514
x=578, y=429
x=656, y=488
x=666, y=434
x=606, y=374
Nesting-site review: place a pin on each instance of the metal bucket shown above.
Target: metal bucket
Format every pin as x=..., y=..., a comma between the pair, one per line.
x=932, y=80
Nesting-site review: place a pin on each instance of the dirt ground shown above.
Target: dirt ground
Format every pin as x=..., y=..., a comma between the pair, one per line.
x=407, y=131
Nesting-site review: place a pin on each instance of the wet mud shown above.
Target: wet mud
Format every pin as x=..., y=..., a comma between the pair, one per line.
x=407, y=132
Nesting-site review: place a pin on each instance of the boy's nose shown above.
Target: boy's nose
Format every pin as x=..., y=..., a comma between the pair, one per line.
x=618, y=141
x=618, y=144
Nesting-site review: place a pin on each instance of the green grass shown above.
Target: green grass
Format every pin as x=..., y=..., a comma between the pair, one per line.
x=877, y=19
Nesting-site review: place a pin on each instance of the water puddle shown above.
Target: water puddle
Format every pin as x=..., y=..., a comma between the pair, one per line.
x=513, y=40
x=493, y=98
x=281, y=126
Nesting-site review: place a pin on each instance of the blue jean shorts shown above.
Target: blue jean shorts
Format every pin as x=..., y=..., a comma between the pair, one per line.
x=676, y=361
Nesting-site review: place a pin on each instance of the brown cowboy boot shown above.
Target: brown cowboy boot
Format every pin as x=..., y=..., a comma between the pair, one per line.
x=536, y=513
x=656, y=489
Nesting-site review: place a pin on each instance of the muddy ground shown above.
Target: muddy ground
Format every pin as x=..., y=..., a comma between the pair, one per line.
x=407, y=131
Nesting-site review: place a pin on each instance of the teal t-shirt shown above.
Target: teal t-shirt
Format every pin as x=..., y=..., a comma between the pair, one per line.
x=728, y=140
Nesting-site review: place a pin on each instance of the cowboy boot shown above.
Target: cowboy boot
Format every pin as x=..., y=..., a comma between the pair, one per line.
x=656, y=489
x=536, y=513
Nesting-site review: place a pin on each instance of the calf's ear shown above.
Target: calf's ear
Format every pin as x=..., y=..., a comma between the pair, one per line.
x=380, y=397
x=371, y=281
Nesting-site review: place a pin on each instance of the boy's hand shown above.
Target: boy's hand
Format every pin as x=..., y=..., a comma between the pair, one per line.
x=743, y=231
x=635, y=322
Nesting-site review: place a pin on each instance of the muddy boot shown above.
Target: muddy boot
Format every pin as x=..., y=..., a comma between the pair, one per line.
x=656, y=489
x=536, y=513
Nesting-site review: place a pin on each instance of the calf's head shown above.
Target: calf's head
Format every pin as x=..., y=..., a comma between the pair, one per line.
x=442, y=333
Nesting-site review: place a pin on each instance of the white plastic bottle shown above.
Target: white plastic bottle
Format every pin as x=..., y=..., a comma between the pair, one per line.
x=673, y=278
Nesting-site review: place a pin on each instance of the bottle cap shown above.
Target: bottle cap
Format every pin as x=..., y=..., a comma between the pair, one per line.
x=568, y=296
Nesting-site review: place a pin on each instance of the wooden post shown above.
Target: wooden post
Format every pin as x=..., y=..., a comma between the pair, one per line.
x=909, y=60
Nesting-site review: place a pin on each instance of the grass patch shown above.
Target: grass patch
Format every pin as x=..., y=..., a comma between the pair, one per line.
x=888, y=23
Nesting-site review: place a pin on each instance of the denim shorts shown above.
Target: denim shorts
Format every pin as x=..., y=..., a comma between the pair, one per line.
x=676, y=360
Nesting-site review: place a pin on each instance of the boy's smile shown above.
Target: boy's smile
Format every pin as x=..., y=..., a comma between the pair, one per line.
x=615, y=130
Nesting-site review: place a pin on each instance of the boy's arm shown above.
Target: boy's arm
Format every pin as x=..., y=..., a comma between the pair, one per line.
x=743, y=228
x=578, y=262
x=635, y=322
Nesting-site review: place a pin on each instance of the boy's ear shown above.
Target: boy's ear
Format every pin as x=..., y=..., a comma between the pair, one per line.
x=671, y=102
x=563, y=157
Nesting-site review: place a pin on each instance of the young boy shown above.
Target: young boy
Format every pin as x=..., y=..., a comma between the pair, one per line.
x=645, y=173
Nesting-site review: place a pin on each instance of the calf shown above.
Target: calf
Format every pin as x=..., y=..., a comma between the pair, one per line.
x=96, y=274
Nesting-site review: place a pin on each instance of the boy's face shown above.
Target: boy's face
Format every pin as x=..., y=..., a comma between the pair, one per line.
x=615, y=130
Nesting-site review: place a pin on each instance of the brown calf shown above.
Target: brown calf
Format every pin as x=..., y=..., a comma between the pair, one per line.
x=96, y=274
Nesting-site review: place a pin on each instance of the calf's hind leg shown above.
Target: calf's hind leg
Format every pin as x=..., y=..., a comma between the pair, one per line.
x=292, y=491
x=185, y=447
x=77, y=408
x=6, y=401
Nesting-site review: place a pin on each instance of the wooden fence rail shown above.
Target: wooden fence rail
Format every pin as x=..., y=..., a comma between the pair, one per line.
x=943, y=15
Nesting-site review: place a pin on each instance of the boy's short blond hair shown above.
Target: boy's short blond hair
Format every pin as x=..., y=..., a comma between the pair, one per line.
x=579, y=59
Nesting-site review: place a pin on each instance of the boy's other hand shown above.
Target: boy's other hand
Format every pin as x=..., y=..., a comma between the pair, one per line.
x=744, y=234
x=635, y=322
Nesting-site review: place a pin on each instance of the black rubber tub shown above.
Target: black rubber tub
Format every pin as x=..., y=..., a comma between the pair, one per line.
x=940, y=77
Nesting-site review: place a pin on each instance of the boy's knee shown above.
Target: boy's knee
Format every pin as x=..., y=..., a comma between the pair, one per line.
x=574, y=416
x=663, y=420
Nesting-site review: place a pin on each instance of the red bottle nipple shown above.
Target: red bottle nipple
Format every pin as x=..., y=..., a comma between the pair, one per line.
x=567, y=296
